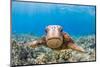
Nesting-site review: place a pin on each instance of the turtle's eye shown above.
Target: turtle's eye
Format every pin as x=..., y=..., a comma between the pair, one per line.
x=61, y=29
x=46, y=30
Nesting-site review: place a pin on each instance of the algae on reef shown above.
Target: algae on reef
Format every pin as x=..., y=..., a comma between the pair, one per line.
x=25, y=55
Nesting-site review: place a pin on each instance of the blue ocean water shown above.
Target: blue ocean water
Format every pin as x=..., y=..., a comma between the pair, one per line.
x=31, y=17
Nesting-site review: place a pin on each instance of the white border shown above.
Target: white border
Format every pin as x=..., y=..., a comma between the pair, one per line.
x=86, y=2
x=5, y=33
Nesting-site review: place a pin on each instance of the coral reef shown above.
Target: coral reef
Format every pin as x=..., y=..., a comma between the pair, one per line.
x=25, y=55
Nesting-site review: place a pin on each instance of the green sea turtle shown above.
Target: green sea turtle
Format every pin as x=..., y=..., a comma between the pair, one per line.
x=55, y=38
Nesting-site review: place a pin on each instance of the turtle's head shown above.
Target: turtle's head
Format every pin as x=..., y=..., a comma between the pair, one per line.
x=54, y=36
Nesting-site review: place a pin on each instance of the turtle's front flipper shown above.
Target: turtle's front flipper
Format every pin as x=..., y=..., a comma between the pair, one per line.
x=36, y=43
x=75, y=47
x=70, y=43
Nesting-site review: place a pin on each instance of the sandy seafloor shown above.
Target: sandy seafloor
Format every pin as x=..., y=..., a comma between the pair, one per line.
x=25, y=55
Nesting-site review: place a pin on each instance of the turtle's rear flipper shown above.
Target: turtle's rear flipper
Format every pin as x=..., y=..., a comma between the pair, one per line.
x=75, y=47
